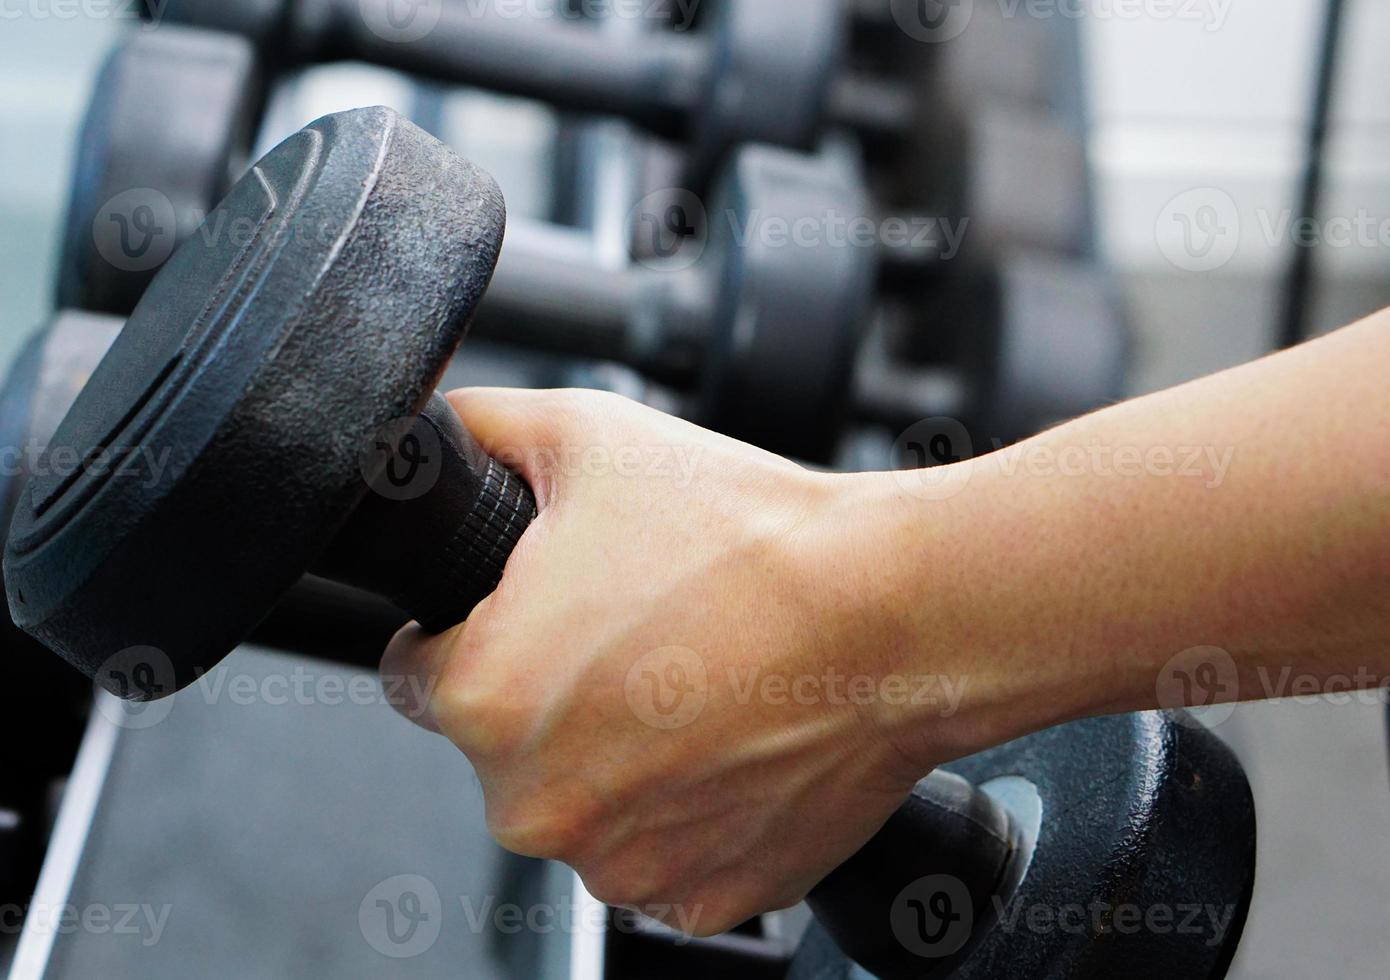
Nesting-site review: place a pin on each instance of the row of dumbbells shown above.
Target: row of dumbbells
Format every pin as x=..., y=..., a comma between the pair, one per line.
x=974, y=298
x=230, y=362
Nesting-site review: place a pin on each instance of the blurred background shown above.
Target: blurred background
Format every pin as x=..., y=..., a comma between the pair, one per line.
x=1196, y=123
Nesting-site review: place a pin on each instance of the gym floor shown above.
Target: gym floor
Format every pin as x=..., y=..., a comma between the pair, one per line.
x=1215, y=100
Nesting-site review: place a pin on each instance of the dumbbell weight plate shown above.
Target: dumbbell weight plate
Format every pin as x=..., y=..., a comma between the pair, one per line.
x=1006, y=176
x=1036, y=340
x=774, y=63
x=167, y=128
x=51, y=369
x=259, y=469
x=42, y=733
x=792, y=295
x=1131, y=820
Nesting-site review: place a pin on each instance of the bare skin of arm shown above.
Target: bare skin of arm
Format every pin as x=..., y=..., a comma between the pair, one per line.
x=710, y=675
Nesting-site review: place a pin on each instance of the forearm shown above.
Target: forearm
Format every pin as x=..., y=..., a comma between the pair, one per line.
x=1248, y=511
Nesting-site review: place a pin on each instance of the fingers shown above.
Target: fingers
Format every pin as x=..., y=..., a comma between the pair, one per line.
x=411, y=669
x=517, y=426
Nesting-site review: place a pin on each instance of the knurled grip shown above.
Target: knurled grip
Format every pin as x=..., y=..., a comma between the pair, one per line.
x=438, y=523
x=469, y=567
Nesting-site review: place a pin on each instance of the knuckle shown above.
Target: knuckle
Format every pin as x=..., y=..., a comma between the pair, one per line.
x=712, y=913
x=541, y=829
x=629, y=884
x=490, y=718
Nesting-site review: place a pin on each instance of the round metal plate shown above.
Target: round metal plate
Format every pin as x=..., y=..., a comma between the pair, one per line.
x=217, y=449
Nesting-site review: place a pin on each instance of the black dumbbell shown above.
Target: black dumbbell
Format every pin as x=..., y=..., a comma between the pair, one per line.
x=1033, y=340
x=767, y=71
x=771, y=316
x=165, y=135
x=169, y=128
x=755, y=70
x=261, y=367
x=974, y=112
x=42, y=738
x=1129, y=851
x=765, y=329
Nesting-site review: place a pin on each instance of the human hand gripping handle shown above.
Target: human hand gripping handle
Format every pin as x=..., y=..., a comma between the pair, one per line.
x=522, y=684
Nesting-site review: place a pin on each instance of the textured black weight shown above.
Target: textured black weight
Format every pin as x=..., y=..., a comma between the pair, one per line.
x=42, y=733
x=1148, y=813
x=263, y=366
x=788, y=314
x=755, y=70
x=1036, y=339
x=166, y=132
x=765, y=322
x=53, y=366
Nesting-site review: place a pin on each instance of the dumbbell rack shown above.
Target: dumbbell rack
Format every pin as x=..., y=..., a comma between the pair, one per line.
x=618, y=167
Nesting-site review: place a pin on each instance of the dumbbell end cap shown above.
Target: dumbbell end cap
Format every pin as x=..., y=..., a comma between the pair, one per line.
x=221, y=443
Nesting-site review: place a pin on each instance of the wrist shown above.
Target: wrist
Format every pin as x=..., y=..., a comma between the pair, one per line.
x=951, y=623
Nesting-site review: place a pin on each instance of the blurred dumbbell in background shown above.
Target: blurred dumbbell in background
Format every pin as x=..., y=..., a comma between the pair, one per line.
x=1000, y=211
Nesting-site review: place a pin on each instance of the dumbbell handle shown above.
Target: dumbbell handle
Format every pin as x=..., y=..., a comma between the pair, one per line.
x=656, y=83
x=434, y=533
x=950, y=844
x=549, y=292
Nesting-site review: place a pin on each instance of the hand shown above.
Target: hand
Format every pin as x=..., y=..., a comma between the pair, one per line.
x=670, y=690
